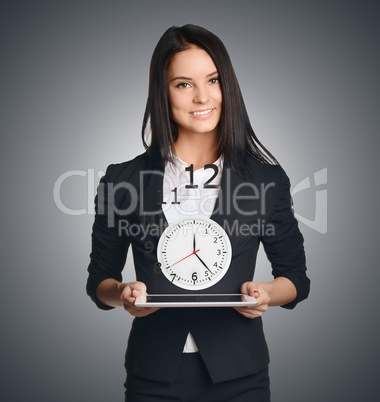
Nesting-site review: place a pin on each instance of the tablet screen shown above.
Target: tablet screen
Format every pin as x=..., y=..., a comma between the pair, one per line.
x=195, y=300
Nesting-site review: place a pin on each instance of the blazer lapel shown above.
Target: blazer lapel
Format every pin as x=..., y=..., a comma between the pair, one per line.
x=151, y=192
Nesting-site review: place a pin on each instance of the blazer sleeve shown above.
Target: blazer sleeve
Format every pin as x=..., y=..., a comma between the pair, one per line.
x=109, y=248
x=283, y=243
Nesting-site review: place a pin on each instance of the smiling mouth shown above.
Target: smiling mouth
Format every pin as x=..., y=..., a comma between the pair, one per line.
x=203, y=112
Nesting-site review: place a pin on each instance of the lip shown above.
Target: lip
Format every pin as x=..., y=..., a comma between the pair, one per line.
x=203, y=115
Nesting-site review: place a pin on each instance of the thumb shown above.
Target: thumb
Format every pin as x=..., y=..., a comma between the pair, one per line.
x=245, y=287
x=138, y=289
x=126, y=294
x=250, y=288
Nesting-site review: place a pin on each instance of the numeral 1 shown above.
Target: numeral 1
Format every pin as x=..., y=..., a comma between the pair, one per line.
x=175, y=196
x=161, y=202
x=191, y=185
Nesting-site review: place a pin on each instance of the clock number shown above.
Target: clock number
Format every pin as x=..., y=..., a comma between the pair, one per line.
x=161, y=202
x=206, y=274
x=173, y=275
x=149, y=247
x=191, y=185
x=218, y=252
x=206, y=185
x=175, y=196
x=215, y=169
x=215, y=240
x=194, y=277
x=157, y=267
x=215, y=264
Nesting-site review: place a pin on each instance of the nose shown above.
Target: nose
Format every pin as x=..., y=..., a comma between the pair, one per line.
x=201, y=95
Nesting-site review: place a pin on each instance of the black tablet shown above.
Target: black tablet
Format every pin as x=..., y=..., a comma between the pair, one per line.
x=195, y=300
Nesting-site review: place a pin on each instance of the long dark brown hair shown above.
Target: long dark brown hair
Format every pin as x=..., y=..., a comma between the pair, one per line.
x=236, y=136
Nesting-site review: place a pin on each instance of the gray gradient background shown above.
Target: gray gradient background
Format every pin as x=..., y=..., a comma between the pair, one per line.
x=73, y=89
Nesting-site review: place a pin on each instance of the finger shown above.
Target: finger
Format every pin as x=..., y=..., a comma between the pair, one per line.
x=257, y=310
x=142, y=312
x=248, y=313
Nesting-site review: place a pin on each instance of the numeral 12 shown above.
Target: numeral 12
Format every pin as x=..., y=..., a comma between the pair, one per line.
x=206, y=185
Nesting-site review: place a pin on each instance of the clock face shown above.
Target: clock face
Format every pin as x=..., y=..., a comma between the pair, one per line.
x=194, y=253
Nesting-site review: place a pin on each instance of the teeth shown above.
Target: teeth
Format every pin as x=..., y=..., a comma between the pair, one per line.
x=202, y=113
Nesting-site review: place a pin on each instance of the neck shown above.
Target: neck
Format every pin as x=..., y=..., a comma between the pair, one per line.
x=197, y=150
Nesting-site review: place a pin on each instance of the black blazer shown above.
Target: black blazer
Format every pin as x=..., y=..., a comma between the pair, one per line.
x=253, y=208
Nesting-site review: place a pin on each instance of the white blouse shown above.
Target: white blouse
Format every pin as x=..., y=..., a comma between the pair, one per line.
x=192, y=201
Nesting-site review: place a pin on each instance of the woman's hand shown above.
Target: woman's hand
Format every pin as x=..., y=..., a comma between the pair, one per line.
x=116, y=294
x=128, y=296
x=262, y=296
x=278, y=292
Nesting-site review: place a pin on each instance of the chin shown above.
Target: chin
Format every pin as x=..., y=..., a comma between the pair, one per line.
x=205, y=128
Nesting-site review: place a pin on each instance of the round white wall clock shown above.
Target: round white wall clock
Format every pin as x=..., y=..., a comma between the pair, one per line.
x=194, y=253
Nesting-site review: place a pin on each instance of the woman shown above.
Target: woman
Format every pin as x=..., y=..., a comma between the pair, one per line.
x=197, y=118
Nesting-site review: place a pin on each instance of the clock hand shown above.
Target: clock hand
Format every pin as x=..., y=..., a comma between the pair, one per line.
x=199, y=258
x=194, y=252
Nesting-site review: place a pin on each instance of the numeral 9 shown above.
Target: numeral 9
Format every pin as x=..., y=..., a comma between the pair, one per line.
x=149, y=247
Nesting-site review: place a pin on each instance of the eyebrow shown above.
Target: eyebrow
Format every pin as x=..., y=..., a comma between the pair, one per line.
x=188, y=78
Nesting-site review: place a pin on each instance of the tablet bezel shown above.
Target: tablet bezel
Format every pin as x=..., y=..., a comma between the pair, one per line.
x=250, y=301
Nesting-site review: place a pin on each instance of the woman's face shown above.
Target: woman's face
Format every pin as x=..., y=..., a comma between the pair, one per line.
x=194, y=91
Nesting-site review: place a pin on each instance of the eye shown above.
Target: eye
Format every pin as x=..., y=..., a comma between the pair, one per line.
x=183, y=85
x=214, y=80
